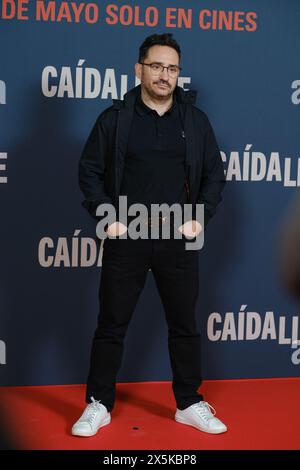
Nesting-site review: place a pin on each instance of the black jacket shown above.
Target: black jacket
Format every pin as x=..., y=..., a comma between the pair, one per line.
x=102, y=160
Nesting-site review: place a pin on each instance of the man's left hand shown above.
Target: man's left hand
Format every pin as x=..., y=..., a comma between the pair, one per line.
x=191, y=228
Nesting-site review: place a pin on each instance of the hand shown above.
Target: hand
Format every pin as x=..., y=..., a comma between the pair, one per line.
x=116, y=229
x=191, y=228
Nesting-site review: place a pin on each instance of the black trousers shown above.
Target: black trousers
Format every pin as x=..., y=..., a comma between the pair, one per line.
x=125, y=265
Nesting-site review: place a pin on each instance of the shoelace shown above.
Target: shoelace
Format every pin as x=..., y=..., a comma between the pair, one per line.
x=203, y=408
x=93, y=410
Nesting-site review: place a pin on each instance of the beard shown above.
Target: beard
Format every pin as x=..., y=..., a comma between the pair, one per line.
x=159, y=93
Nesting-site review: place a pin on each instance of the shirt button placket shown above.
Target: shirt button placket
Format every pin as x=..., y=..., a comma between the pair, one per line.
x=159, y=133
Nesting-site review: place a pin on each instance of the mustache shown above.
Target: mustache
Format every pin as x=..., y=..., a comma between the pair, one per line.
x=162, y=83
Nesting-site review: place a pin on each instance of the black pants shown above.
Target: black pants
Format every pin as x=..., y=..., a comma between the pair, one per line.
x=125, y=265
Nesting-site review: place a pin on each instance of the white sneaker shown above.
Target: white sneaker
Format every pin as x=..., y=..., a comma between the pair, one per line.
x=94, y=417
x=199, y=416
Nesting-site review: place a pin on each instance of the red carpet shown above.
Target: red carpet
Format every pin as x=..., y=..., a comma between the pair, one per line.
x=260, y=414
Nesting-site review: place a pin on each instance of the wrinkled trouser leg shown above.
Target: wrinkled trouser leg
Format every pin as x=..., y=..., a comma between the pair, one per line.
x=125, y=265
x=176, y=273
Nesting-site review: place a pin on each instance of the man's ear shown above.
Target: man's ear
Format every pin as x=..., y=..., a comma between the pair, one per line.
x=138, y=70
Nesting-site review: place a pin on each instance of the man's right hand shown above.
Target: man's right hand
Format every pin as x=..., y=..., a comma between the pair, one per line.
x=116, y=229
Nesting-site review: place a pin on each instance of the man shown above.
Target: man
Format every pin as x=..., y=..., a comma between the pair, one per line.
x=155, y=146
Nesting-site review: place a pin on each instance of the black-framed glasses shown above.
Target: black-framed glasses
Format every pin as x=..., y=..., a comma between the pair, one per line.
x=156, y=69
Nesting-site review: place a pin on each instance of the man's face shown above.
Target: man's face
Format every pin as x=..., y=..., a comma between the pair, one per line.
x=159, y=87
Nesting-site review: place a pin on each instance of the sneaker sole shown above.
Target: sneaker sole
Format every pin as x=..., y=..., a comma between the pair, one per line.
x=88, y=434
x=182, y=421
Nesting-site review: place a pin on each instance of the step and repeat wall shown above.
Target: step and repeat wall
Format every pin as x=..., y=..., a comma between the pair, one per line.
x=61, y=64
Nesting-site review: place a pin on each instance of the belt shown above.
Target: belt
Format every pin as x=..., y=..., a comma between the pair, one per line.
x=156, y=220
x=150, y=221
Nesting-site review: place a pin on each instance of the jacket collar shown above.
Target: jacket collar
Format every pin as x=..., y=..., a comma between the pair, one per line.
x=182, y=96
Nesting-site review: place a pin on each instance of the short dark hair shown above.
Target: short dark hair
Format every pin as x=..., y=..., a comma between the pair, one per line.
x=158, y=40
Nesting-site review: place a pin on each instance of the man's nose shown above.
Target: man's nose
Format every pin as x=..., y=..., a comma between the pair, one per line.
x=164, y=74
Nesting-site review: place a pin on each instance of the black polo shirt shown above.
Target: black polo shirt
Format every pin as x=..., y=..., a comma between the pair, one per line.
x=154, y=161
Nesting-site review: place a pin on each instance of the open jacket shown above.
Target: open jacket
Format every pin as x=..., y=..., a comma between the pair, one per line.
x=102, y=160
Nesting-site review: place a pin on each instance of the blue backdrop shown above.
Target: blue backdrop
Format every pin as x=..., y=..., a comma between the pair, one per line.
x=60, y=68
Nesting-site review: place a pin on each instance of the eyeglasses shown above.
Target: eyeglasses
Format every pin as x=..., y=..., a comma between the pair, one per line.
x=156, y=69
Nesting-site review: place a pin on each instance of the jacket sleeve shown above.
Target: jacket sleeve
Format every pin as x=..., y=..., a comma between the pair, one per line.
x=213, y=177
x=92, y=168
